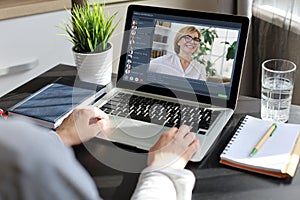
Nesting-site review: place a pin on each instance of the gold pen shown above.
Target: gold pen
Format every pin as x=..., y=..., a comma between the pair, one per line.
x=263, y=139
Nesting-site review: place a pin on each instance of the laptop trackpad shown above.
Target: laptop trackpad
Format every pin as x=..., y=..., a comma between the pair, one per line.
x=133, y=132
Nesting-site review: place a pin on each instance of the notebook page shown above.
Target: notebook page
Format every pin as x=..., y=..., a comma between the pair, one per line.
x=273, y=155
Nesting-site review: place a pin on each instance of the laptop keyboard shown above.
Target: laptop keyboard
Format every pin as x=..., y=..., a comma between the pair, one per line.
x=160, y=112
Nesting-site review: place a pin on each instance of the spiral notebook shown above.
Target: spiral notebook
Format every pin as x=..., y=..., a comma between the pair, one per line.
x=279, y=155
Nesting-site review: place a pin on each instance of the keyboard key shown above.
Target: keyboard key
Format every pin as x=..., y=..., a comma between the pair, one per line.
x=201, y=132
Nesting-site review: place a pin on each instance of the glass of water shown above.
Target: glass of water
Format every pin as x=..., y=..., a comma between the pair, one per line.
x=277, y=88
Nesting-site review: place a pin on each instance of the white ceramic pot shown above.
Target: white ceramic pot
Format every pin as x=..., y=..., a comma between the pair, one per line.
x=95, y=67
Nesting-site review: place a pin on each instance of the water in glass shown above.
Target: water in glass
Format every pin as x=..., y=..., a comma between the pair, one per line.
x=276, y=96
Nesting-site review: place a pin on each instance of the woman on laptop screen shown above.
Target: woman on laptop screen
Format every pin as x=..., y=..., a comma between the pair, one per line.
x=186, y=44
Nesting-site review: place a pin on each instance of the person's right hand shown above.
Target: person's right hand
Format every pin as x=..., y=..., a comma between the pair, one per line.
x=174, y=148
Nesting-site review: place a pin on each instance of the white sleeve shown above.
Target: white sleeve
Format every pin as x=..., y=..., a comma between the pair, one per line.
x=164, y=184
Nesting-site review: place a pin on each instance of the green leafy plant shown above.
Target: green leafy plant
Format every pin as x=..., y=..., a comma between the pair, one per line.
x=231, y=50
x=210, y=70
x=209, y=35
x=89, y=29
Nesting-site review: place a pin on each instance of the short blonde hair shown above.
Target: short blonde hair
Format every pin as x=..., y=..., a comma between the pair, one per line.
x=184, y=31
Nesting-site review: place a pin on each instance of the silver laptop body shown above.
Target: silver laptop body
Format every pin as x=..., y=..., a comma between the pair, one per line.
x=217, y=94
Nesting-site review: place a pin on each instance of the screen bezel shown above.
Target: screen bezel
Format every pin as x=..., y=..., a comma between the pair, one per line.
x=231, y=102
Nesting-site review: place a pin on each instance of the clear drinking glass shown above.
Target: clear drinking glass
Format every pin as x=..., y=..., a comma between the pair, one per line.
x=277, y=84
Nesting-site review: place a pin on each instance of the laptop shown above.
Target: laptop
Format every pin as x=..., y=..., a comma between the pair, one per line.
x=153, y=92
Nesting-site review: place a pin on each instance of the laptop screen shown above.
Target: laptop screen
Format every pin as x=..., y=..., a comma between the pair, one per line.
x=187, y=53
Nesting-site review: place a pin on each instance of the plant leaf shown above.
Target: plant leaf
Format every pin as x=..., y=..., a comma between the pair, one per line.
x=90, y=29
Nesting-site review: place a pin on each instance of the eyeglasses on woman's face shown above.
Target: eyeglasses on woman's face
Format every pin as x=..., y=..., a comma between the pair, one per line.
x=189, y=38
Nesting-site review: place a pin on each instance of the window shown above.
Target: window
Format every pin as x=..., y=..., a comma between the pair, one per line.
x=282, y=13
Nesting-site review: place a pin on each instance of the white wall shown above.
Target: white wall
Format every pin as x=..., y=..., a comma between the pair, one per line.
x=222, y=6
x=31, y=41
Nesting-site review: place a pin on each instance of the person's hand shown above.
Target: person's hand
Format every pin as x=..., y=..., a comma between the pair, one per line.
x=174, y=148
x=83, y=124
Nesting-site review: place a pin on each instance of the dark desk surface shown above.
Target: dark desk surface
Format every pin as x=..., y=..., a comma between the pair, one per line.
x=116, y=175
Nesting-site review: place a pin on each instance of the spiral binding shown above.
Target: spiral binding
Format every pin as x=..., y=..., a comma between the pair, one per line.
x=237, y=130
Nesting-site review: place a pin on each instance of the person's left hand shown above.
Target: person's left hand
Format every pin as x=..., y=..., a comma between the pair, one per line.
x=83, y=124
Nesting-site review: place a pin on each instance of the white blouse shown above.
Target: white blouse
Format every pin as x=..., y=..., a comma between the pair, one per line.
x=170, y=64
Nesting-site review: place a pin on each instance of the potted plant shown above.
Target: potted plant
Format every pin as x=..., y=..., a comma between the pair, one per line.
x=90, y=30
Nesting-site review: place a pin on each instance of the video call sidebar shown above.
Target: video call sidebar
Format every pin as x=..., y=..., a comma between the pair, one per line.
x=139, y=49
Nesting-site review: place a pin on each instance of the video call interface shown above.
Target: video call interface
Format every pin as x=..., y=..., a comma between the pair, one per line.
x=151, y=57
